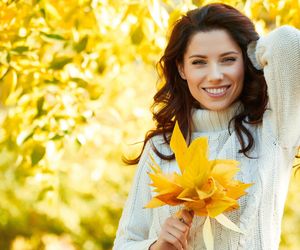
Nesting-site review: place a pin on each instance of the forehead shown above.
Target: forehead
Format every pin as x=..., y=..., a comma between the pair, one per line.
x=213, y=42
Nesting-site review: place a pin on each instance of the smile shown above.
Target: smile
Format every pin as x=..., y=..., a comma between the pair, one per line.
x=216, y=92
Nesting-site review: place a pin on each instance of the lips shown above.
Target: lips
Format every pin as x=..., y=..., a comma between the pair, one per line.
x=216, y=91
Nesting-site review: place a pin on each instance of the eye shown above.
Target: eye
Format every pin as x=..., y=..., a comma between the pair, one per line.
x=201, y=62
x=229, y=59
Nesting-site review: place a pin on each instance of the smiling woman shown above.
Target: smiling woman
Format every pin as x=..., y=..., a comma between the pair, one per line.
x=224, y=82
x=214, y=71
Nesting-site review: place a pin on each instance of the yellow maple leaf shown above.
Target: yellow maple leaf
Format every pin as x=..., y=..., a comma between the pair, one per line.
x=203, y=185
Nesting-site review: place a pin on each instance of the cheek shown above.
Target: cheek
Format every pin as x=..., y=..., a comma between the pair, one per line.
x=237, y=74
x=195, y=78
x=193, y=86
x=239, y=80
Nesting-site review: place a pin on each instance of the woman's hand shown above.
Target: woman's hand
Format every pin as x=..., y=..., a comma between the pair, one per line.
x=174, y=233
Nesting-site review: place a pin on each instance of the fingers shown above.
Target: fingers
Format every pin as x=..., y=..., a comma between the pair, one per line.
x=179, y=231
x=173, y=240
x=175, y=232
x=180, y=225
x=187, y=216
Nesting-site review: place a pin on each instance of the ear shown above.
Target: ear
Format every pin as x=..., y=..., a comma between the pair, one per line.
x=181, y=71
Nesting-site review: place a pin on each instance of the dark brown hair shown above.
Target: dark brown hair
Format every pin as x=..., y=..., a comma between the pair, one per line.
x=173, y=102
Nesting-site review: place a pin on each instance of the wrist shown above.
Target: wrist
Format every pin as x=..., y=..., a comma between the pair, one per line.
x=153, y=246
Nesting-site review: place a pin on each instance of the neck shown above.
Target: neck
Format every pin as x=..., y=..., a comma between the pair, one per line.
x=208, y=121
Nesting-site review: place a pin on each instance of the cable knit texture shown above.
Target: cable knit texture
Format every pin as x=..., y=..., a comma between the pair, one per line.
x=261, y=210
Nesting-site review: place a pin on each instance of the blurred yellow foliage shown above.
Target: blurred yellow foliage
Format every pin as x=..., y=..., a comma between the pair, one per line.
x=76, y=82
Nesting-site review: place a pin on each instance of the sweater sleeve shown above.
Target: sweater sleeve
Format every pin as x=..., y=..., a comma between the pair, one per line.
x=135, y=221
x=278, y=54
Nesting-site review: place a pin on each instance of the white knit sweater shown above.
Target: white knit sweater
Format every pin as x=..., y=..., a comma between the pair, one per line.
x=261, y=210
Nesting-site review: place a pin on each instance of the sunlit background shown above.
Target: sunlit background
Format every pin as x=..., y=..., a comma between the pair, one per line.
x=76, y=83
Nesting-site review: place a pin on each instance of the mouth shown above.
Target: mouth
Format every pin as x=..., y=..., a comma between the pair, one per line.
x=217, y=91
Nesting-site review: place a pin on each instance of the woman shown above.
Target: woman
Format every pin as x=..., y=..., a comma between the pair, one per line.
x=224, y=82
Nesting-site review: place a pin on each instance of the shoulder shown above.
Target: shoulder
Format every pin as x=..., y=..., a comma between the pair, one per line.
x=156, y=144
x=160, y=144
x=157, y=140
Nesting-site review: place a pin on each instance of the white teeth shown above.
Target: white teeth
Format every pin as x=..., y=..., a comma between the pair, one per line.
x=216, y=90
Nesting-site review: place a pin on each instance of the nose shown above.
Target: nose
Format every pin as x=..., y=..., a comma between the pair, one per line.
x=214, y=74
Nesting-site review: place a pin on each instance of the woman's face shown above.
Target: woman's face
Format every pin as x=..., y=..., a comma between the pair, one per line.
x=213, y=68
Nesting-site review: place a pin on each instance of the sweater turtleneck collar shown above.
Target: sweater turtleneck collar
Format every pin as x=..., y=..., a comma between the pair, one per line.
x=210, y=121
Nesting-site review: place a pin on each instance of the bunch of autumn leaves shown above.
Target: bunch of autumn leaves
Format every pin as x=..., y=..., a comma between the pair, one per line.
x=205, y=186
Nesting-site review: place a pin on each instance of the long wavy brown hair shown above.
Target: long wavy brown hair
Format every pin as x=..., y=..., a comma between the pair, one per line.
x=174, y=102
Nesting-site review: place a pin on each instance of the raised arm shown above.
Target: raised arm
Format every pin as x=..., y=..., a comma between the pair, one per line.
x=278, y=54
x=135, y=221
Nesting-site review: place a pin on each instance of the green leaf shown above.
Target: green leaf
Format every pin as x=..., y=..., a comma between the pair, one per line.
x=20, y=49
x=137, y=35
x=39, y=105
x=81, y=45
x=53, y=36
x=37, y=154
x=60, y=62
x=80, y=82
x=101, y=66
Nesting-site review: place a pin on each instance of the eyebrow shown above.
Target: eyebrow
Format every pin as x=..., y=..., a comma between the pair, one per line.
x=224, y=54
